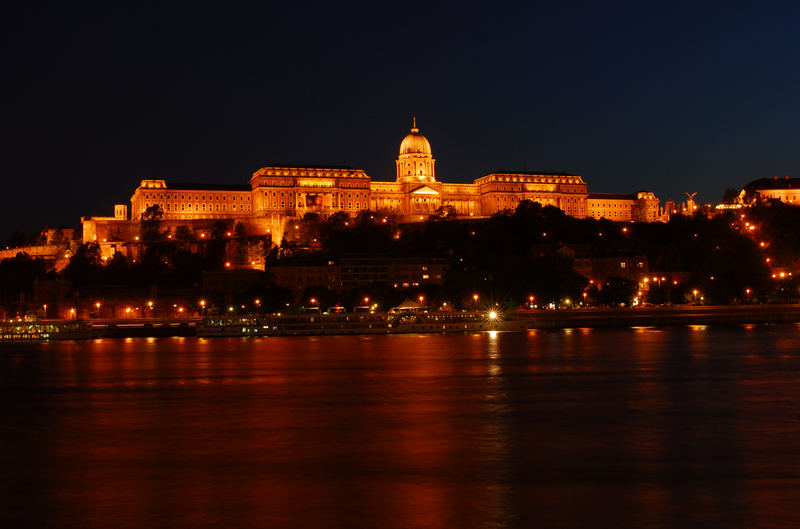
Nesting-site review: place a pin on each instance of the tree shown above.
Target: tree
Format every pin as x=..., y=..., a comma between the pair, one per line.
x=730, y=196
x=85, y=265
x=149, y=229
x=17, y=275
x=58, y=237
x=183, y=233
x=242, y=243
x=617, y=291
x=17, y=239
x=153, y=212
x=447, y=211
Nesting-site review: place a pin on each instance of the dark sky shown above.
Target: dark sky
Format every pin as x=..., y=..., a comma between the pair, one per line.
x=665, y=96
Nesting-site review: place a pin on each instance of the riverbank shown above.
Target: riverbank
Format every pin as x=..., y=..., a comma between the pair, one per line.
x=660, y=316
x=384, y=323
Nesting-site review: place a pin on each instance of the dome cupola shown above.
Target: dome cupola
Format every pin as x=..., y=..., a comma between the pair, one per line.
x=415, y=163
x=415, y=143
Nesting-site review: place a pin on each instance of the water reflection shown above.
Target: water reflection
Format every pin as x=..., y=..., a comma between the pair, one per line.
x=653, y=427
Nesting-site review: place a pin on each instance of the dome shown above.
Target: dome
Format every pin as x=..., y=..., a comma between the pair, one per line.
x=415, y=143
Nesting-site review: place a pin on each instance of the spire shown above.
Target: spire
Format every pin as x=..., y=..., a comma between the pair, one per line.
x=414, y=129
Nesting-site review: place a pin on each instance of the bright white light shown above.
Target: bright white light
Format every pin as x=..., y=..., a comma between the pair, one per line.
x=492, y=315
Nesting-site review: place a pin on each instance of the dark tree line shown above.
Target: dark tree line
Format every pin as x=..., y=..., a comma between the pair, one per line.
x=505, y=259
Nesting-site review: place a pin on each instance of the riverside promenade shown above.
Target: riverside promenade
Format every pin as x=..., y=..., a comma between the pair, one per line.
x=423, y=322
x=658, y=316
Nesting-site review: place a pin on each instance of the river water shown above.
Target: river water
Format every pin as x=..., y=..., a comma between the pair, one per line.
x=637, y=427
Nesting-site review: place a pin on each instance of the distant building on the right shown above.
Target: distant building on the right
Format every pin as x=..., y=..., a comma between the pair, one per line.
x=785, y=189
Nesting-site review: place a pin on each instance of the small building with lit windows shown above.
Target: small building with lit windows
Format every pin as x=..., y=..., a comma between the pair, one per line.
x=785, y=189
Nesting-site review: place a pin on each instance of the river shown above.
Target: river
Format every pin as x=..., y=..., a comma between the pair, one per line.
x=638, y=427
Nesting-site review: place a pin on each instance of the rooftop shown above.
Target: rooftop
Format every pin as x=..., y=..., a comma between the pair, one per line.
x=533, y=173
x=207, y=187
x=774, y=183
x=613, y=196
x=308, y=166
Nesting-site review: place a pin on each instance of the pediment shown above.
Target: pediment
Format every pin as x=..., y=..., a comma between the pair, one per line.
x=425, y=190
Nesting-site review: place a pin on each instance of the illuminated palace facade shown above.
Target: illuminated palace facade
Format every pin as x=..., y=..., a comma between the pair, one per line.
x=277, y=194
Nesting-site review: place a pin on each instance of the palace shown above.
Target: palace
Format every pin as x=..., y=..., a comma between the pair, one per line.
x=277, y=194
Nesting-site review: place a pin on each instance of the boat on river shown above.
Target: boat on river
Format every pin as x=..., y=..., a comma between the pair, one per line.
x=42, y=330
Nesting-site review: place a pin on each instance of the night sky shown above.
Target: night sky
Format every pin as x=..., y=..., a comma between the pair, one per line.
x=664, y=96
